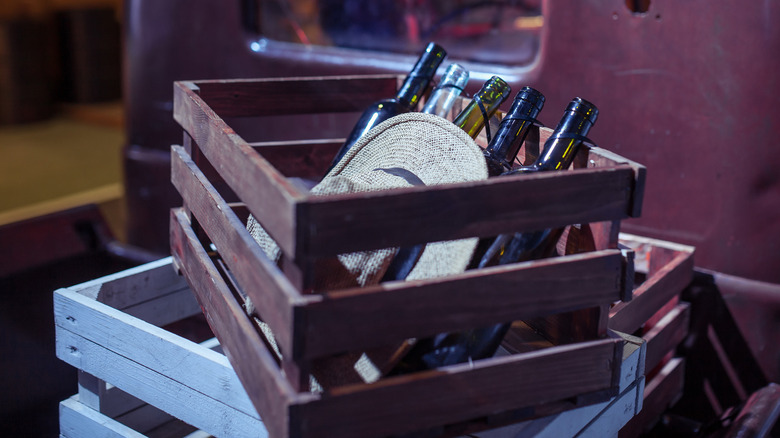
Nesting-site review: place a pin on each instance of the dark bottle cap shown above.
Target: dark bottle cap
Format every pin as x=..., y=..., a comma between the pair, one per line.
x=529, y=95
x=429, y=61
x=559, y=150
x=421, y=74
x=584, y=108
x=513, y=129
x=494, y=89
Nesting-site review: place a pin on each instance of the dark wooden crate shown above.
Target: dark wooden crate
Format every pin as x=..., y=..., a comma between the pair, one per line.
x=603, y=189
x=657, y=315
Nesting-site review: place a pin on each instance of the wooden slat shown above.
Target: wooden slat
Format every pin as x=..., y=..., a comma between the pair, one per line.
x=256, y=368
x=97, y=325
x=134, y=286
x=307, y=159
x=600, y=157
x=46, y=239
x=450, y=394
x=296, y=95
x=156, y=388
x=271, y=293
x=166, y=309
x=147, y=419
x=300, y=158
x=105, y=398
x=123, y=407
x=660, y=393
x=77, y=420
x=598, y=420
x=651, y=295
x=268, y=194
x=366, y=317
x=575, y=326
x=423, y=214
x=667, y=334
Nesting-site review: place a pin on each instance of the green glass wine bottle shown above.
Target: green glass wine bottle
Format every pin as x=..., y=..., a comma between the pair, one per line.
x=482, y=107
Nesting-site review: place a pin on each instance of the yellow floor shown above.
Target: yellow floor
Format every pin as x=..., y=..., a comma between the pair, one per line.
x=70, y=160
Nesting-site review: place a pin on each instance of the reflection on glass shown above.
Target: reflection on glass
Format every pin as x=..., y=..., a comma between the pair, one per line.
x=504, y=32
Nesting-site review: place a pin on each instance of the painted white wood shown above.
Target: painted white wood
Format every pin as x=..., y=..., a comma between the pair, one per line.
x=198, y=385
x=198, y=434
x=91, y=390
x=157, y=389
x=212, y=344
x=134, y=285
x=79, y=421
x=634, y=355
x=616, y=415
x=165, y=353
x=104, y=397
x=112, y=401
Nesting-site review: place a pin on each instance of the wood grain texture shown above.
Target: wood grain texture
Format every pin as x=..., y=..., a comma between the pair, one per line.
x=103, y=397
x=450, y=394
x=154, y=382
x=600, y=157
x=424, y=214
x=144, y=344
x=660, y=287
x=300, y=158
x=367, y=317
x=134, y=286
x=270, y=196
x=77, y=420
x=166, y=309
x=573, y=326
x=255, y=366
x=667, y=334
x=270, y=291
x=296, y=95
x=597, y=420
x=180, y=400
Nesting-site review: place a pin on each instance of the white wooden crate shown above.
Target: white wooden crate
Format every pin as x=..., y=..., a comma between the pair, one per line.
x=137, y=379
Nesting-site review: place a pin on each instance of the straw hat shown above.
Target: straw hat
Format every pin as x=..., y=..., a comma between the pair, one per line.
x=406, y=150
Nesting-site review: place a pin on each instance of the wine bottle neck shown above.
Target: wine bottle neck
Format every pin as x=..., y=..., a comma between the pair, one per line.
x=561, y=148
x=564, y=143
x=505, y=145
x=514, y=128
x=412, y=90
x=485, y=103
x=450, y=87
x=420, y=76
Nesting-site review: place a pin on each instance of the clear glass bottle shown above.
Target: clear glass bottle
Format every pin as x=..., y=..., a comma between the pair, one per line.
x=450, y=87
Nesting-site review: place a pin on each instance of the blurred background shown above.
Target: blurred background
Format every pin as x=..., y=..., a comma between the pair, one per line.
x=687, y=89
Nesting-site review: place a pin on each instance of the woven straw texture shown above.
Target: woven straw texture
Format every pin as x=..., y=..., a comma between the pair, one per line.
x=407, y=150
